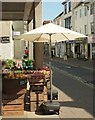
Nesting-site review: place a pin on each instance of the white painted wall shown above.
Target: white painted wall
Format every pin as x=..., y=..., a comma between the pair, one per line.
x=6, y=50
x=80, y=22
x=30, y=43
x=19, y=46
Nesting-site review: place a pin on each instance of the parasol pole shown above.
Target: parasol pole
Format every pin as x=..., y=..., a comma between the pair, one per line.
x=50, y=66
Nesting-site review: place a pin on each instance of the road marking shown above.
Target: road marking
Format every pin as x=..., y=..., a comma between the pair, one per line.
x=68, y=67
x=75, y=65
x=74, y=77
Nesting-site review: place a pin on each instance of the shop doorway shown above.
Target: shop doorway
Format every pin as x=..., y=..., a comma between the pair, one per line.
x=77, y=50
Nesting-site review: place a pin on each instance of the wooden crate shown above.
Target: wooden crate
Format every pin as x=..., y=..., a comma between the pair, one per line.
x=12, y=113
x=13, y=102
x=34, y=97
x=32, y=106
x=12, y=105
x=45, y=98
x=37, y=88
x=37, y=98
x=13, y=86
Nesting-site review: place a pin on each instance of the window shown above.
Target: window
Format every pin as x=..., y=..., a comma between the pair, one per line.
x=69, y=5
x=60, y=22
x=57, y=22
x=80, y=30
x=65, y=7
x=76, y=13
x=80, y=13
x=68, y=23
x=92, y=27
x=85, y=29
x=85, y=11
x=92, y=9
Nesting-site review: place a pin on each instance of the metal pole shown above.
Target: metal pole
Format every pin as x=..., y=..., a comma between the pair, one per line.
x=34, y=24
x=50, y=66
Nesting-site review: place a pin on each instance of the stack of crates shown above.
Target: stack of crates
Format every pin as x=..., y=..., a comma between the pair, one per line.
x=36, y=81
x=38, y=92
x=36, y=99
x=12, y=105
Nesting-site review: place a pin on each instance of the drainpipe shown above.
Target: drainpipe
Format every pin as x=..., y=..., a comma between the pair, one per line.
x=34, y=57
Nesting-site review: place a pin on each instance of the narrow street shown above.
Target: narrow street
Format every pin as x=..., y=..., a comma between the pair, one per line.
x=77, y=71
x=75, y=95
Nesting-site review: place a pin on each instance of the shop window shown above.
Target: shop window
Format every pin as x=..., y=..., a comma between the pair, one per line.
x=92, y=27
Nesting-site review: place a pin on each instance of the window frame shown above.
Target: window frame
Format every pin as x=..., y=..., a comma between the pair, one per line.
x=91, y=8
x=69, y=6
x=65, y=8
x=92, y=27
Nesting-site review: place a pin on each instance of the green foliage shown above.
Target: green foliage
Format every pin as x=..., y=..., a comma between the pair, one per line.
x=10, y=63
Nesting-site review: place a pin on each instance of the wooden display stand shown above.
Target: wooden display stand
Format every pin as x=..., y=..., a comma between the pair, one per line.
x=13, y=86
x=13, y=96
x=38, y=90
x=36, y=99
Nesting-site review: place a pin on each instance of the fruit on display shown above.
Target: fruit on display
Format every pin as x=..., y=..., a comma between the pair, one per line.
x=15, y=75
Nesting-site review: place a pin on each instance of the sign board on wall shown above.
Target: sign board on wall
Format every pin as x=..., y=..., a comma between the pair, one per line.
x=16, y=33
x=5, y=39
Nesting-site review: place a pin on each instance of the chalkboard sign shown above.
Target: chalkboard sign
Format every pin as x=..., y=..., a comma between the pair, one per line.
x=5, y=39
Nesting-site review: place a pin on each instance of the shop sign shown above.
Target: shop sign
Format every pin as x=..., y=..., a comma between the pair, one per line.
x=16, y=33
x=78, y=41
x=70, y=41
x=5, y=39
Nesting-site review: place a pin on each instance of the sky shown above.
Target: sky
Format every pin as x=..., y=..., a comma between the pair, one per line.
x=50, y=10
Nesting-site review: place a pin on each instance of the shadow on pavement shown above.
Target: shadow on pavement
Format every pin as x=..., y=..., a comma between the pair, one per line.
x=81, y=94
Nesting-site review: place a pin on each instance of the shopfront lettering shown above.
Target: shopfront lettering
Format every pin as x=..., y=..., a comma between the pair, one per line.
x=5, y=39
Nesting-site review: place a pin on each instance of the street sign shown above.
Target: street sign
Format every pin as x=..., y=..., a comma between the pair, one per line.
x=5, y=39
